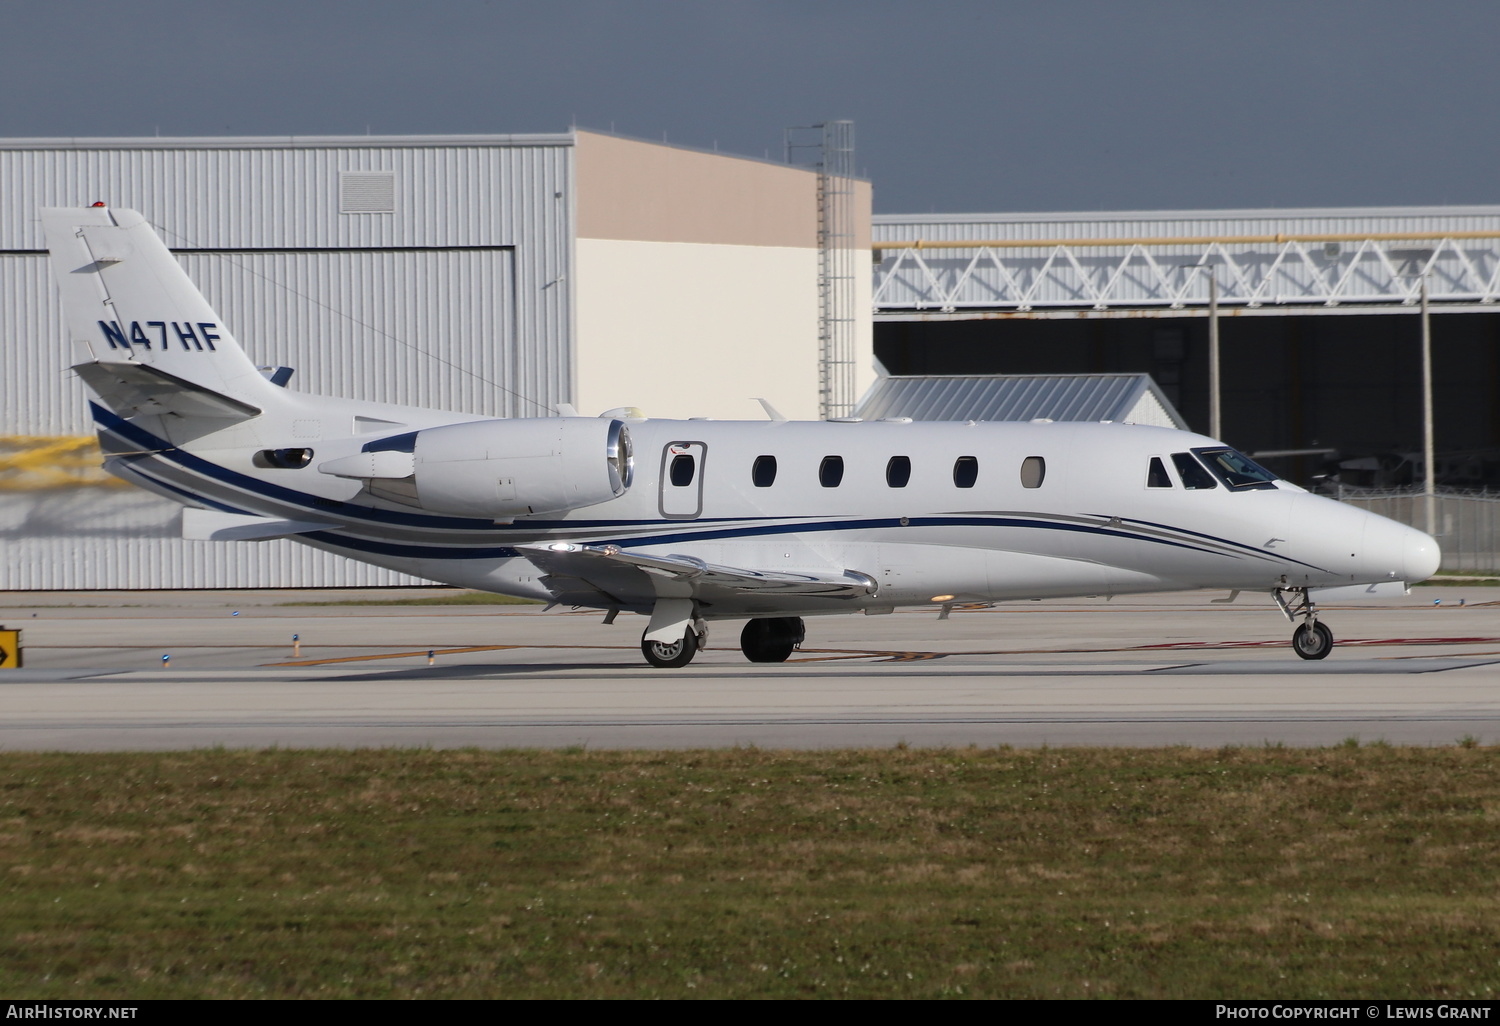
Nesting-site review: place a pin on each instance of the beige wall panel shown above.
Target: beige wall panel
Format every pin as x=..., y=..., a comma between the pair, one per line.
x=864, y=214
x=864, y=320
x=689, y=330
x=650, y=192
x=864, y=290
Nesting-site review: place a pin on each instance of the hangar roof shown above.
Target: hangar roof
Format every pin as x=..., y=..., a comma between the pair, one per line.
x=1123, y=398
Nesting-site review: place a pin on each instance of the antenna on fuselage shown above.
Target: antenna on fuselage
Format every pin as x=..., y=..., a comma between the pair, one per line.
x=771, y=411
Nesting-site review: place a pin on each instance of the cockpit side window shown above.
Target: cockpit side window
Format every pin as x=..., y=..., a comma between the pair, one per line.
x=1238, y=471
x=1157, y=476
x=1191, y=471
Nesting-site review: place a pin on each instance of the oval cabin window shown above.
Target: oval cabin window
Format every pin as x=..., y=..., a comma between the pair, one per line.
x=763, y=473
x=898, y=471
x=831, y=471
x=681, y=472
x=1033, y=471
x=965, y=471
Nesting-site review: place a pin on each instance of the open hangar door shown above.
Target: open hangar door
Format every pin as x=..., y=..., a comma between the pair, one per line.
x=1345, y=382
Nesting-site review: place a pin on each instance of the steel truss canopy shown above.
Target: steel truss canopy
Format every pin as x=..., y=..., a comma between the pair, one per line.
x=1263, y=261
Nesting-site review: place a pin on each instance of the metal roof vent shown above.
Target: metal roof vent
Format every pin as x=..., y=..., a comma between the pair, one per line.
x=367, y=192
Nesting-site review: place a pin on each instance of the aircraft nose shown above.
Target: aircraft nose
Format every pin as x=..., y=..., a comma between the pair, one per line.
x=1400, y=552
x=1422, y=556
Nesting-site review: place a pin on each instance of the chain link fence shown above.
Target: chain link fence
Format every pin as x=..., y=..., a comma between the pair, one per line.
x=1466, y=525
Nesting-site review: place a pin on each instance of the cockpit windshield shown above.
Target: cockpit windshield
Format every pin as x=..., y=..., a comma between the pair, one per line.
x=1236, y=470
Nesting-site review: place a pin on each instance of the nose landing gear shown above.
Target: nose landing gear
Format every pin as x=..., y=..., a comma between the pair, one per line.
x=1311, y=639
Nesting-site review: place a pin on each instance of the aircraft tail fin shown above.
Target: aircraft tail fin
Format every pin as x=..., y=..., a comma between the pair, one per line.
x=143, y=330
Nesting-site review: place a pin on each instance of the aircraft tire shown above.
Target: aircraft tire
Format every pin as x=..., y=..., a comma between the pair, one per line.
x=671, y=656
x=771, y=639
x=1312, y=640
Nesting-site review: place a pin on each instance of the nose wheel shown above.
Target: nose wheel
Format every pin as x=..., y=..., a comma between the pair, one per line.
x=1311, y=639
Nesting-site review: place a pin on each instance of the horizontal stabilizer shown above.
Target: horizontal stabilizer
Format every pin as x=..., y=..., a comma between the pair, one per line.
x=683, y=576
x=212, y=525
x=132, y=389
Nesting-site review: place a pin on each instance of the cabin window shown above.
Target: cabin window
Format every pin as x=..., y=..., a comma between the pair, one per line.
x=1157, y=476
x=283, y=459
x=1033, y=472
x=763, y=473
x=681, y=471
x=1236, y=470
x=965, y=471
x=1191, y=471
x=898, y=471
x=831, y=471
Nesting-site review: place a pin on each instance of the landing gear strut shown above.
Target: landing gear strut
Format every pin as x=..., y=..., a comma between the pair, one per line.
x=1311, y=639
x=772, y=639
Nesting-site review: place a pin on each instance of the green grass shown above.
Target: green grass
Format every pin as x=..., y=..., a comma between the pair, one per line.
x=1269, y=872
x=458, y=598
x=1464, y=578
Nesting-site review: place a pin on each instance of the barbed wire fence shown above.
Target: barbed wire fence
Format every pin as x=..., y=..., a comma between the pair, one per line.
x=1467, y=524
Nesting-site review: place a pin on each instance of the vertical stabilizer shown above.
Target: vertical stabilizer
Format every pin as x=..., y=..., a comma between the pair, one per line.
x=133, y=313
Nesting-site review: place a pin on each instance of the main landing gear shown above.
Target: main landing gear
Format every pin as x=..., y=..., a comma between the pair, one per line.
x=671, y=656
x=764, y=640
x=772, y=639
x=1311, y=639
x=680, y=653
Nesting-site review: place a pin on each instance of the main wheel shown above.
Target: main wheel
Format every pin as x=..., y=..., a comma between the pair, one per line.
x=772, y=639
x=681, y=653
x=1312, y=640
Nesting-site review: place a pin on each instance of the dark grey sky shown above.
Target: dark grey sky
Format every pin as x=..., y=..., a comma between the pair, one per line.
x=958, y=106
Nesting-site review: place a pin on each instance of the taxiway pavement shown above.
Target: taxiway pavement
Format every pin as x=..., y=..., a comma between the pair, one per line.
x=1143, y=670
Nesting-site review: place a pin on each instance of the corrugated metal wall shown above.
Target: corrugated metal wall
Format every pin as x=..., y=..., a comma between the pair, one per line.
x=458, y=299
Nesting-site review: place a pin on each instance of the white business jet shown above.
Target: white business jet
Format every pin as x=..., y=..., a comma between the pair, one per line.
x=686, y=521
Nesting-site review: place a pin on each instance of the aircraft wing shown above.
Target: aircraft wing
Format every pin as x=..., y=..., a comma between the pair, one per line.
x=629, y=578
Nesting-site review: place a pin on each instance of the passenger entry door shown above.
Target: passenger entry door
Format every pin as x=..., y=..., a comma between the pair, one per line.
x=682, y=480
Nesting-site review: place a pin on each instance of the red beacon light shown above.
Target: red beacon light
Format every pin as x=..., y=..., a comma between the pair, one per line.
x=97, y=203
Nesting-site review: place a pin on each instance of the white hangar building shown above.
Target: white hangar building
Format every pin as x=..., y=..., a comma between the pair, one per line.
x=500, y=275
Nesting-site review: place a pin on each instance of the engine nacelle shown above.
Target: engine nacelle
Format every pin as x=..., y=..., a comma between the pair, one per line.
x=498, y=468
